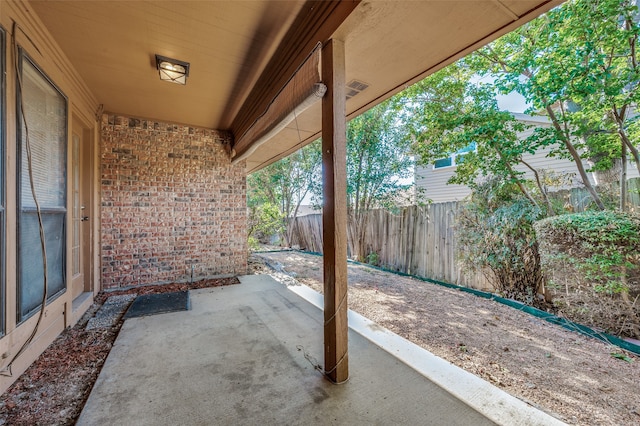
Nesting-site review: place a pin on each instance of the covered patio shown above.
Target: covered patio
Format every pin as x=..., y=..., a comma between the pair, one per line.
x=250, y=354
x=149, y=176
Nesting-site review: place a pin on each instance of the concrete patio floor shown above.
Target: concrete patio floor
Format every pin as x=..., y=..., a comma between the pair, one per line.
x=245, y=354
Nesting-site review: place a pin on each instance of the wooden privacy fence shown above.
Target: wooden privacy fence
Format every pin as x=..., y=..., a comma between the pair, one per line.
x=418, y=241
x=580, y=200
x=422, y=240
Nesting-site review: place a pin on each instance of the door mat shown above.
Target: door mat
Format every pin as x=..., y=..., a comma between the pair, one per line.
x=152, y=304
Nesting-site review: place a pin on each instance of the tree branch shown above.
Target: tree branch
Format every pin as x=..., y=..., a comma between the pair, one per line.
x=543, y=190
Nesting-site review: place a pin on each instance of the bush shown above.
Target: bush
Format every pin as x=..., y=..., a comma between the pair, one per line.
x=496, y=236
x=264, y=220
x=373, y=259
x=594, y=257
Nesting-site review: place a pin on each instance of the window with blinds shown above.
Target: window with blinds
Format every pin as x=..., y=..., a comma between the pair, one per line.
x=42, y=138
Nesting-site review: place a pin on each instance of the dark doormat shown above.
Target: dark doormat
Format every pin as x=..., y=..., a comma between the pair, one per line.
x=152, y=304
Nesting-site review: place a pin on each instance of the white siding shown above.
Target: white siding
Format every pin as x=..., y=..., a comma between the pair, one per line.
x=434, y=184
x=542, y=162
x=632, y=171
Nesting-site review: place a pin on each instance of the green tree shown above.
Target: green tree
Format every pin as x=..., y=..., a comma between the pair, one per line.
x=264, y=220
x=447, y=113
x=578, y=64
x=285, y=184
x=605, y=74
x=378, y=158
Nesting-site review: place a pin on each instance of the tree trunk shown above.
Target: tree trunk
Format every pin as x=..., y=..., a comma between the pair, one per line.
x=576, y=158
x=358, y=236
x=543, y=191
x=623, y=178
x=352, y=240
x=291, y=224
x=513, y=175
x=626, y=142
x=619, y=118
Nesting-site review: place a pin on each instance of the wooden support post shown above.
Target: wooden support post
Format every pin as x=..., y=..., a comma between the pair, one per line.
x=334, y=212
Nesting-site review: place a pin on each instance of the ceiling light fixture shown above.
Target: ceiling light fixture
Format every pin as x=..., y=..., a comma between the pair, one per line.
x=172, y=70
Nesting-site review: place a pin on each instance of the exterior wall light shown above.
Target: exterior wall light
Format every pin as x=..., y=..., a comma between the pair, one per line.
x=172, y=70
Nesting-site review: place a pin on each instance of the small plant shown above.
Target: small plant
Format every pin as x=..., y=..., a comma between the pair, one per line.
x=253, y=243
x=621, y=356
x=373, y=258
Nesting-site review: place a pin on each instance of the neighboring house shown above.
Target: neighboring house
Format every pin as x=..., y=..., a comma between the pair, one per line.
x=432, y=179
x=143, y=181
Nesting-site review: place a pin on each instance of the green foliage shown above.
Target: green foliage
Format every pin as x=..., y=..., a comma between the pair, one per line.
x=449, y=112
x=604, y=246
x=622, y=356
x=594, y=257
x=283, y=185
x=373, y=259
x=578, y=64
x=446, y=113
x=495, y=231
x=265, y=220
x=378, y=159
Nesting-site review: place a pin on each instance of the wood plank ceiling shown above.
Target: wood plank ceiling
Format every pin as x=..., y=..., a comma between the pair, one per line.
x=389, y=45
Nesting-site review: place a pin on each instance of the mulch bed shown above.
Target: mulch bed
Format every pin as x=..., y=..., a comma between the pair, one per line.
x=56, y=386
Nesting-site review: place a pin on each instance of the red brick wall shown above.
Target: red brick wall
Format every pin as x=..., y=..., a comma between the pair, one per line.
x=172, y=204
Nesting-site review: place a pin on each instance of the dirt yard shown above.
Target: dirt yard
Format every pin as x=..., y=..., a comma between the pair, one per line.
x=572, y=377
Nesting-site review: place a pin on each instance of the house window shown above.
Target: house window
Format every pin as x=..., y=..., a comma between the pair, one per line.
x=42, y=125
x=455, y=158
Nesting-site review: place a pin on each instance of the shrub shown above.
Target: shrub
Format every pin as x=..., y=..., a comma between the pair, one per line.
x=603, y=245
x=373, y=259
x=595, y=258
x=496, y=236
x=264, y=220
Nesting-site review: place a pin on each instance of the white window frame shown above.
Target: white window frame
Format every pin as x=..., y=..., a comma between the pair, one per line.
x=453, y=157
